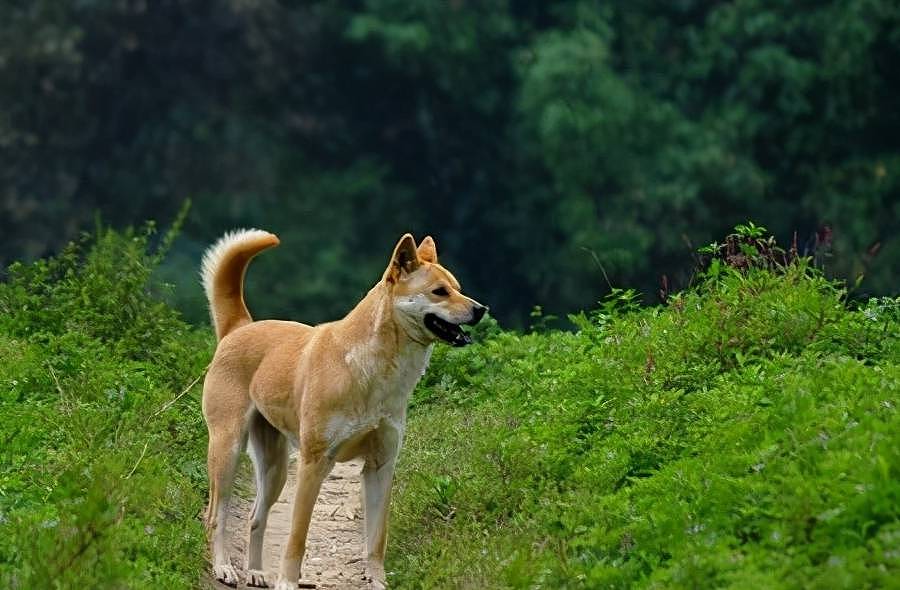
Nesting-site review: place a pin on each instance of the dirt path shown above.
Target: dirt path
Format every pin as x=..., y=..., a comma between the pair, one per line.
x=334, y=547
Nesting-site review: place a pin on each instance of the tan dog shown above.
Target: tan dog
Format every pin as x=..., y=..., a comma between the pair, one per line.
x=338, y=391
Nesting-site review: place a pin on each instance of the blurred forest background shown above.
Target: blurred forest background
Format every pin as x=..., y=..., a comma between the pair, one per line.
x=536, y=140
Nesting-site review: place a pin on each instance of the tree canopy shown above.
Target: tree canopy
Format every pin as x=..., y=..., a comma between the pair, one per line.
x=543, y=144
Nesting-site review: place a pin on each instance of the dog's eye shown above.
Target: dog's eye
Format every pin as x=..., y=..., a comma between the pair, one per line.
x=441, y=292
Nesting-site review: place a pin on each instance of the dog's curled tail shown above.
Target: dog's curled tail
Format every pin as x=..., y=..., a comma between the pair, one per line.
x=223, y=268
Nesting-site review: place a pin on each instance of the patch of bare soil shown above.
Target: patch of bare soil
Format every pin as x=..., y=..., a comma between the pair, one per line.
x=335, y=545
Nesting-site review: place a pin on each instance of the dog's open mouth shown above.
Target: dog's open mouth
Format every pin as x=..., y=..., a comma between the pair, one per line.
x=450, y=333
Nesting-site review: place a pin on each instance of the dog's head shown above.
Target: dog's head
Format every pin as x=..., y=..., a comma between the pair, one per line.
x=427, y=299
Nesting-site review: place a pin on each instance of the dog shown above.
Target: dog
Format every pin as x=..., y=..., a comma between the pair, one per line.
x=336, y=391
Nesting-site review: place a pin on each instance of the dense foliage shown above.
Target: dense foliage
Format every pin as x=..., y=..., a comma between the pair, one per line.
x=529, y=136
x=102, y=482
x=745, y=435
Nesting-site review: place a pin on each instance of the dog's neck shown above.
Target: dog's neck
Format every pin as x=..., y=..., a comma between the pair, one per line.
x=378, y=345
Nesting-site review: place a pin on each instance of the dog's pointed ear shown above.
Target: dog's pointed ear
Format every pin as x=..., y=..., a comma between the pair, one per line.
x=427, y=251
x=404, y=260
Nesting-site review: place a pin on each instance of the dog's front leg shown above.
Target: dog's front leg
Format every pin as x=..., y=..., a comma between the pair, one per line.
x=378, y=474
x=310, y=475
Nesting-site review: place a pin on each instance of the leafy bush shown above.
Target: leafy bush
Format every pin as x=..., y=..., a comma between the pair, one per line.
x=744, y=435
x=98, y=488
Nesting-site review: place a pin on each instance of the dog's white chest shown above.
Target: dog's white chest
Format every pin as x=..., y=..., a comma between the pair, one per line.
x=386, y=395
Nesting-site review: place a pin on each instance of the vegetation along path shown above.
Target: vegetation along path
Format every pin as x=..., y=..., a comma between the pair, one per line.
x=334, y=548
x=744, y=434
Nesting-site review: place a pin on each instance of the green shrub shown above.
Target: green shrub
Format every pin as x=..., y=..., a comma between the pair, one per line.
x=97, y=487
x=744, y=435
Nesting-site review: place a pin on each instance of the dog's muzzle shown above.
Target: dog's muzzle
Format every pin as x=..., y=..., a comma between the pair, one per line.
x=453, y=333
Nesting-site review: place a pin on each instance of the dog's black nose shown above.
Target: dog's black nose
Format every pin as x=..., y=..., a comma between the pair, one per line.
x=477, y=313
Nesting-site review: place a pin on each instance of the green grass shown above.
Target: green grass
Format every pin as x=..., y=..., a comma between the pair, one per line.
x=98, y=489
x=744, y=436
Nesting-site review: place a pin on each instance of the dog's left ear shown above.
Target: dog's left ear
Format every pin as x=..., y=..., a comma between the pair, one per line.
x=404, y=260
x=427, y=251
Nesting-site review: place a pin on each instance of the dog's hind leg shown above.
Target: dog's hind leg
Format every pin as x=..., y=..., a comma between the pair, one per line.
x=224, y=451
x=225, y=410
x=269, y=451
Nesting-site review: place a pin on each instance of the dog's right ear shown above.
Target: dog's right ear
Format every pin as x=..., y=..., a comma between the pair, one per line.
x=427, y=251
x=404, y=260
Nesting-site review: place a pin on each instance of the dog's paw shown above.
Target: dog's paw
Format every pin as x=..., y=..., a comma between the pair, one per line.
x=226, y=574
x=256, y=579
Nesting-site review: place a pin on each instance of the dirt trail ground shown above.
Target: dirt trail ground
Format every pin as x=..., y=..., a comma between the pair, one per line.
x=334, y=547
